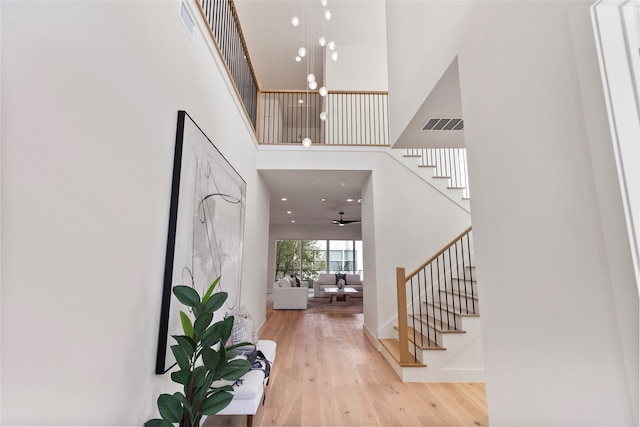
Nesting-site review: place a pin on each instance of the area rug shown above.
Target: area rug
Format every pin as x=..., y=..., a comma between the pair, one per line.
x=323, y=305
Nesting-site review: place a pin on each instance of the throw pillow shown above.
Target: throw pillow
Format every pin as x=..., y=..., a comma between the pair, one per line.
x=285, y=282
x=243, y=328
x=341, y=277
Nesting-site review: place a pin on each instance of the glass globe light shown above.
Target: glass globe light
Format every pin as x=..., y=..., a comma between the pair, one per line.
x=323, y=116
x=313, y=85
x=295, y=21
x=298, y=59
x=331, y=45
x=311, y=77
x=302, y=52
x=323, y=91
x=306, y=142
x=322, y=40
x=323, y=2
x=334, y=55
x=327, y=14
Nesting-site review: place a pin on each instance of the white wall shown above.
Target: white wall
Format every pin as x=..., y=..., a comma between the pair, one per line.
x=617, y=31
x=412, y=219
x=358, y=68
x=560, y=312
x=422, y=40
x=90, y=96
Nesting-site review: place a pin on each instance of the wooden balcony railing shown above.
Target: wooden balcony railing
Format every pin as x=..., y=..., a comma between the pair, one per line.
x=224, y=28
x=352, y=118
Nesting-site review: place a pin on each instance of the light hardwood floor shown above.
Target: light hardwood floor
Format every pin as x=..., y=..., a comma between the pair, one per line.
x=327, y=373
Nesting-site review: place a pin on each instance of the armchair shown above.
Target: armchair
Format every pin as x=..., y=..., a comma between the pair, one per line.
x=288, y=297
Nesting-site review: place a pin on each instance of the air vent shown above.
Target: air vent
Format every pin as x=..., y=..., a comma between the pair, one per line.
x=443, y=124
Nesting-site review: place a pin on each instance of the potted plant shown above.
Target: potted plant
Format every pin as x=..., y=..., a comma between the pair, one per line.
x=202, y=359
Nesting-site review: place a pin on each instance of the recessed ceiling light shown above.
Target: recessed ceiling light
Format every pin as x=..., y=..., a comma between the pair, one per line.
x=359, y=200
x=349, y=200
x=289, y=212
x=323, y=199
x=284, y=199
x=300, y=101
x=293, y=220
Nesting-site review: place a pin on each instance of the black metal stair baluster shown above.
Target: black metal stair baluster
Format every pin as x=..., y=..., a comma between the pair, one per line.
x=453, y=299
x=439, y=291
x=413, y=317
x=473, y=300
x=433, y=304
x=420, y=309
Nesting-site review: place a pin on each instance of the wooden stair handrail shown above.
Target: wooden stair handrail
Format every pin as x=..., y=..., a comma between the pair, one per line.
x=430, y=260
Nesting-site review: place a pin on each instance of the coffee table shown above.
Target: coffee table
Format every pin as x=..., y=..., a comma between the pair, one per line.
x=340, y=295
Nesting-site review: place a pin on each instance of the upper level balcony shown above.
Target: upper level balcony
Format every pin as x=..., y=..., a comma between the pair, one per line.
x=290, y=117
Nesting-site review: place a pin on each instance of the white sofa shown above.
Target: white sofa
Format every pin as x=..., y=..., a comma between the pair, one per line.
x=286, y=296
x=329, y=281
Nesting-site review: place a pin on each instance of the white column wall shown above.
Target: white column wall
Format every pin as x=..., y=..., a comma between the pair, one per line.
x=90, y=94
x=560, y=309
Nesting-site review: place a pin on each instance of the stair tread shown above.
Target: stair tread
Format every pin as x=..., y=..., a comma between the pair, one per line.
x=393, y=347
x=465, y=280
x=451, y=309
x=461, y=294
x=437, y=325
x=430, y=344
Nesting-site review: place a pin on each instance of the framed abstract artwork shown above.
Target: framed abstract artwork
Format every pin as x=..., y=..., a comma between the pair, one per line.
x=206, y=226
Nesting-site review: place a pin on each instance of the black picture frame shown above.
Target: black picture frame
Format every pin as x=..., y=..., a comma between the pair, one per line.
x=206, y=228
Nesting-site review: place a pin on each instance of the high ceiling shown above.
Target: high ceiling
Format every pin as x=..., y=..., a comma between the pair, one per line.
x=273, y=43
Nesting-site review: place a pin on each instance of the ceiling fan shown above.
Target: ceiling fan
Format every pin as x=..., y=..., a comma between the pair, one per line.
x=341, y=222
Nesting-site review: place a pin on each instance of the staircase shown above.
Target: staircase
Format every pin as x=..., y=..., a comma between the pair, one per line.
x=438, y=331
x=445, y=169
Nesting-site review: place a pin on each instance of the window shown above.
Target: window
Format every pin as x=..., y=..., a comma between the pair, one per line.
x=308, y=258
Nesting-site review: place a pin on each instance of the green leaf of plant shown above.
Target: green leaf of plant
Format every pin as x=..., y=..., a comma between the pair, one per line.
x=216, y=402
x=227, y=326
x=211, y=358
x=215, y=302
x=187, y=344
x=187, y=327
x=170, y=408
x=185, y=403
x=199, y=376
x=157, y=422
x=181, y=357
x=223, y=388
x=202, y=323
x=187, y=295
x=207, y=294
x=235, y=369
x=182, y=376
x=213, y=334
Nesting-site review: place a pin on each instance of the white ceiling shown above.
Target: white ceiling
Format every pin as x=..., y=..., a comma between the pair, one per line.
x=273, y=42
x=304, y=191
